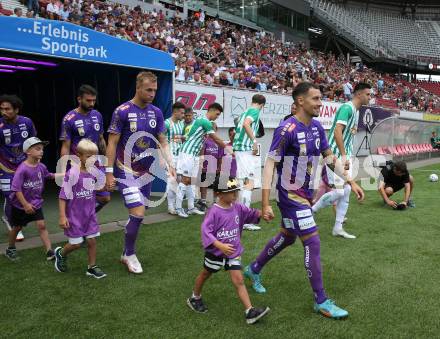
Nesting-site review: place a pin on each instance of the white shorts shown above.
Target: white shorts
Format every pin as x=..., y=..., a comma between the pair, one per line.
x=79, y=240
x=249, y=167
x=174, y=161
x=188, y=165
x=337, y=181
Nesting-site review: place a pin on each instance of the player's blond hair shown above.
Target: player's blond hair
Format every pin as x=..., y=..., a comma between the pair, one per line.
x=145, y=76
x=87, y=146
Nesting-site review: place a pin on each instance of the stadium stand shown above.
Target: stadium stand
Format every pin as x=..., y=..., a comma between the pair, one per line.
x=430, y=86
x=243, y=58
x=384, y=33
x=408, y=36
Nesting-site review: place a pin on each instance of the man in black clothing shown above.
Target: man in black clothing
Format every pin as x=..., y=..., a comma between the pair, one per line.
x=394, y=177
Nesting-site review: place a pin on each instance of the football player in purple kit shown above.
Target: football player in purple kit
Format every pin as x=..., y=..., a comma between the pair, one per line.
x=295, y=150
x=14, y=130
x=84, y=122
x=130, y=155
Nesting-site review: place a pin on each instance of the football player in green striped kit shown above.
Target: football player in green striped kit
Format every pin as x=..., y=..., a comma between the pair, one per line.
x=174, y=126
x=341, y=139
x=246, y=152
x=188, y=160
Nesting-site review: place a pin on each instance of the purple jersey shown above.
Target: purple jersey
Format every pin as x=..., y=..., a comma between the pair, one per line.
x=76, y=126
x=226, y=226
x=228, y=161
x=128, y=119
x=12, y=137
x=80, y=203
x=297, y=149
x=29, y=180
x=211, y=149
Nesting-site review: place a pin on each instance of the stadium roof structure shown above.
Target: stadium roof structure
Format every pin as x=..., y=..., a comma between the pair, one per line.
x=68, y=41
x=400, y=3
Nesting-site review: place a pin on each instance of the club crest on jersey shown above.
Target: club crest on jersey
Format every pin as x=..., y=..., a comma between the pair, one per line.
x=81, y=131
x=24, y=134
x=153, y=123
x=133, y=126
x=96, y=127
x=237, y=219
x=317, y=143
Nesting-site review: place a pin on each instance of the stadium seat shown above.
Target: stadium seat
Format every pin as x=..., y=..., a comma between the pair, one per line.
x=382, y=150
x=401, y=150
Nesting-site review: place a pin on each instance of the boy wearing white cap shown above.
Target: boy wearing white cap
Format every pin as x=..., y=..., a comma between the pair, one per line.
x=26, y=197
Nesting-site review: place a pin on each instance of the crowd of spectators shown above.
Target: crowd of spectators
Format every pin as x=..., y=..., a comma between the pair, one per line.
x=218, y=53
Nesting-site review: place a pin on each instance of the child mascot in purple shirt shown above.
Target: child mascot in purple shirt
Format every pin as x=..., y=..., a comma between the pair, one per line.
x=221, y=239
x=77, y=201
x=26, y=197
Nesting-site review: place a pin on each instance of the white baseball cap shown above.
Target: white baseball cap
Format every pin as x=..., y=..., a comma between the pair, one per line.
x=28, y=143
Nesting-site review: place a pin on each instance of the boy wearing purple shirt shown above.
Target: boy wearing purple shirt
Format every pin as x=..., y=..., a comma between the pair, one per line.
x=84, y=123
x=221, y=238
x=210, y=168
x=26, y=197
x=14, y=130
x=136, y=128
x=296, y=146
x=77, y=211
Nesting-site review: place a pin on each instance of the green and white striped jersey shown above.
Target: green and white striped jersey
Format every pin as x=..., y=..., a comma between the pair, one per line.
x=174, y=134
x=194, y=139
x=348, y=116
x=241, y=139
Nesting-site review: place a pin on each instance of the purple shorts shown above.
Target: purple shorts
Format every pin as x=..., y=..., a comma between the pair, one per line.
x=296, y=213
x=5, y=183
x=102, y=194
x=136, y=192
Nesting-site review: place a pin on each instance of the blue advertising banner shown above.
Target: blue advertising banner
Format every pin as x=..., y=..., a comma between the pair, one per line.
x=66, y=40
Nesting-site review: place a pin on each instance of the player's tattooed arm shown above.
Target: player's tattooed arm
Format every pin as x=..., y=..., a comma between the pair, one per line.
x=268, y=174
x=329, y=159
x=113, y=140
x=102, y=145
x=65, y=147
x=248, y=129
x=165, y=152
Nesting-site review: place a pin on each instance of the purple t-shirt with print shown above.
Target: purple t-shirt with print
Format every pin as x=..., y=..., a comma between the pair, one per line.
x=77, y=126
x=226, y=226
x=297, y=148
x=128, y=119
x=29, y=180
x=12, y=137
x=79, y=192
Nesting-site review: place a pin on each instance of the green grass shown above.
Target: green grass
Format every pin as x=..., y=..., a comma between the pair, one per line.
x=387, y=279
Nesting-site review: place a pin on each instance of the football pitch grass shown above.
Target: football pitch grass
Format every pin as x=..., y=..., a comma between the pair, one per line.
x=387, y=279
